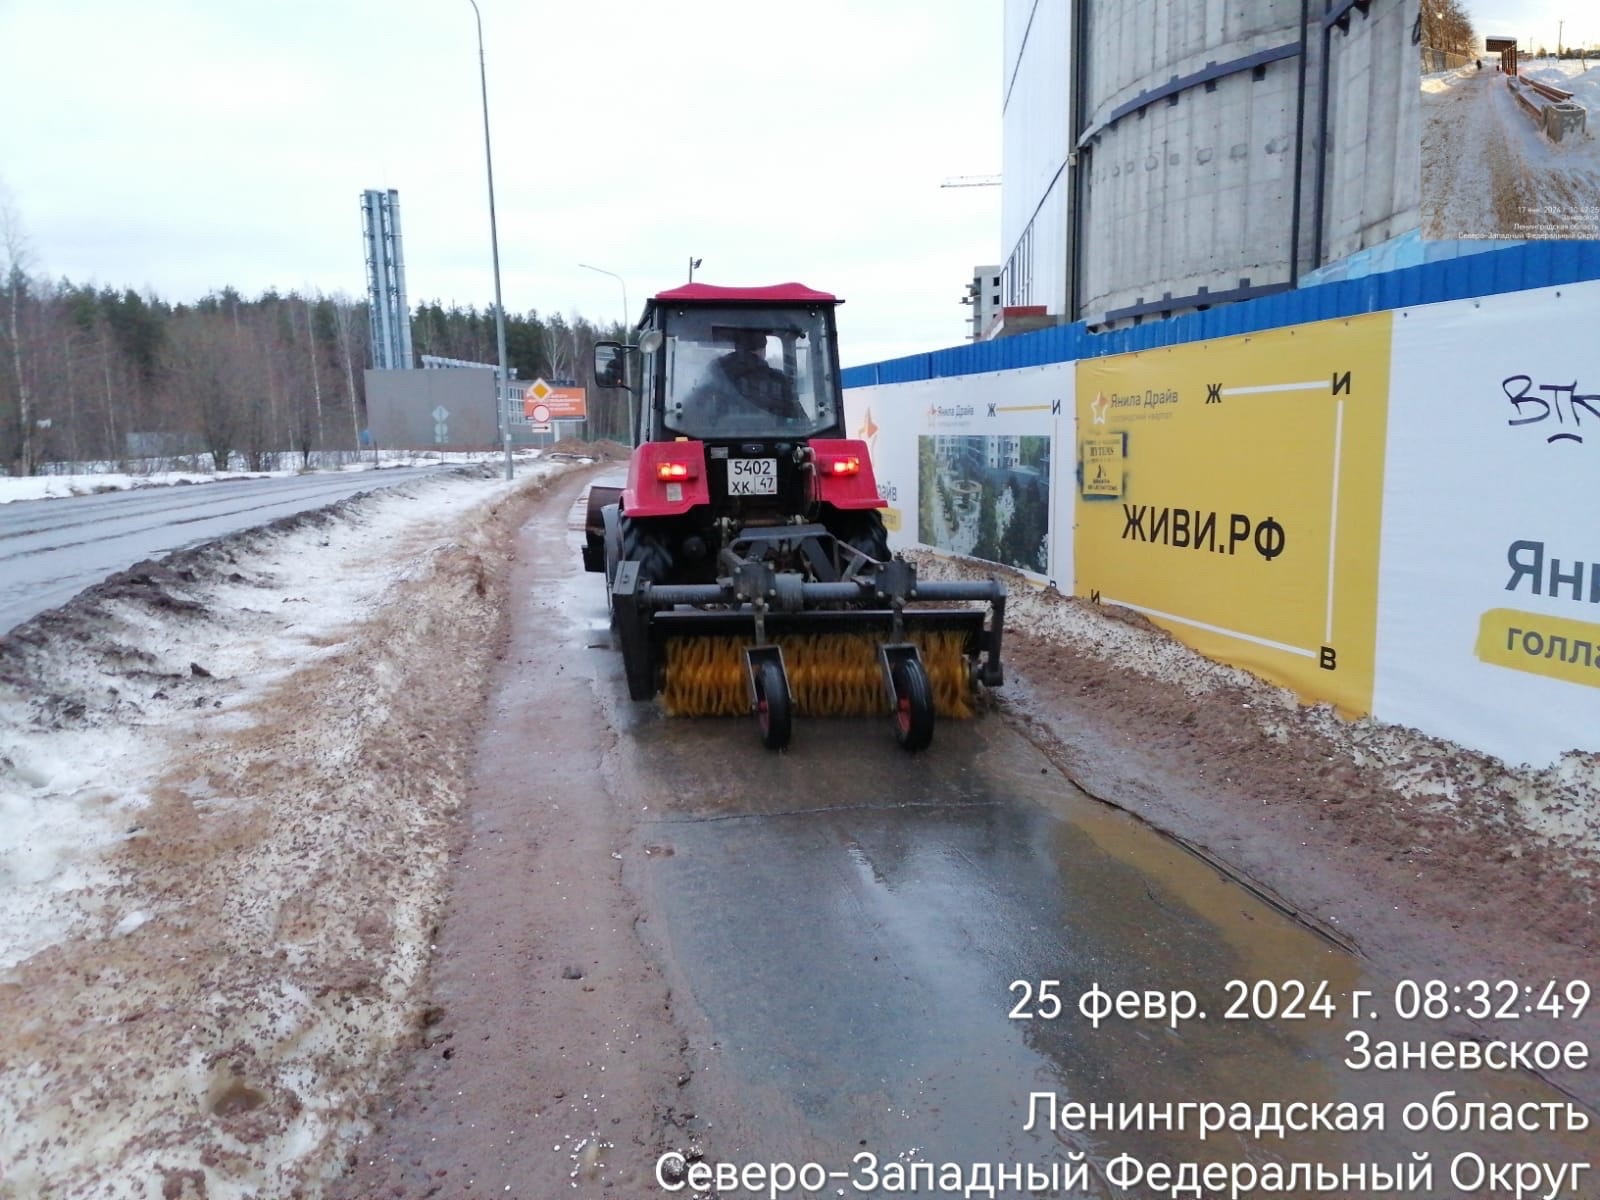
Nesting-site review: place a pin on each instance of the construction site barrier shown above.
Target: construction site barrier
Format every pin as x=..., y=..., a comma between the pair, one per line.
x=1383, y=512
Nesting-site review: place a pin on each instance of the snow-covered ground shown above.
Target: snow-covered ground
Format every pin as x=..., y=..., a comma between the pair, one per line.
x=101, y=477
x=1489, y=172
x=226, y=782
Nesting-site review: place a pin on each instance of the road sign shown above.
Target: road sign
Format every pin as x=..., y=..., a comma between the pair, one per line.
x=441, y=413
x=562, y=403
x=539, y=414
x=540, y=428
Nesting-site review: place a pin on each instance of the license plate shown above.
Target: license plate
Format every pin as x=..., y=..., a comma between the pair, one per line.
x=752, y=477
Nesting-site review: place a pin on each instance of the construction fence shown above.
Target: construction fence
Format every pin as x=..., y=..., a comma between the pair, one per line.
x=1387, y=511
x=1434, y=61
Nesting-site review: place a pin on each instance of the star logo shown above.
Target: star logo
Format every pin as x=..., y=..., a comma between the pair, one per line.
x=868, y=430
x=1099, y=406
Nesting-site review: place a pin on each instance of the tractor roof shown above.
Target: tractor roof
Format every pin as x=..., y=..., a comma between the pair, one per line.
x=777, y=293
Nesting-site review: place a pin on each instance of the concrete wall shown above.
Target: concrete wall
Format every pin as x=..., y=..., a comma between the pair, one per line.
x=1374, y=165
x=1035, y=98
x=1193, y=196
x=401, y=404
x=1225, y=181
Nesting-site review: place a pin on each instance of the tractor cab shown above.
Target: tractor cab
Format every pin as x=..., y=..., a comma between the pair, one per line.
x=722, y=363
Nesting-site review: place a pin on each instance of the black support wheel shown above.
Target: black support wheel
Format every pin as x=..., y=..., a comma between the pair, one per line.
x=913, y=705
x=774, y=712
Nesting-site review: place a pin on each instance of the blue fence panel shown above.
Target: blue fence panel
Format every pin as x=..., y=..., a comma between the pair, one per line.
x=1513, y=269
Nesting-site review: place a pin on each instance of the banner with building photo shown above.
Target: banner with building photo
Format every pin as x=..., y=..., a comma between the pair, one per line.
x=1489, y=621
x=1231, y=490
x=982, y=471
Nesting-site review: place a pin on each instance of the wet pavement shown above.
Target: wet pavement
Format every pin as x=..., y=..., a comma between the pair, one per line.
x=849, y=931
x=851, y=925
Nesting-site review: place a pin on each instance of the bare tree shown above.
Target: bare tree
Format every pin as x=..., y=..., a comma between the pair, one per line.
x=316, y=377
x=13, y=263
x=344, y=315
x=1446, y=25
x=203, y=362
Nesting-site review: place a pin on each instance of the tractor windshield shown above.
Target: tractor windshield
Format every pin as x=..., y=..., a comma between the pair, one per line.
x=748, y=372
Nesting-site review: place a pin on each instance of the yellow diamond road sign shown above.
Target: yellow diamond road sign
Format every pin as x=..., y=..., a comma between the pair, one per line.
x=540, y=389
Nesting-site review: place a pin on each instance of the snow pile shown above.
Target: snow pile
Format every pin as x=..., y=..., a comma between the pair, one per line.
x=227, y=782
x=51, y=487
x=1571, y=76
x=87, y=479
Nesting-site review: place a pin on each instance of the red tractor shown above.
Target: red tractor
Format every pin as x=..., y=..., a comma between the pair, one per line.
x=746, y=560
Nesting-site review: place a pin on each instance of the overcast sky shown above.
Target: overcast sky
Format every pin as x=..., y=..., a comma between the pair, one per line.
x=1538, y=19
x=181, y=146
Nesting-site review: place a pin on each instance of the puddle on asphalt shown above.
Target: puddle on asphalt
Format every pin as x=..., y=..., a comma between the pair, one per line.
x=863, y=954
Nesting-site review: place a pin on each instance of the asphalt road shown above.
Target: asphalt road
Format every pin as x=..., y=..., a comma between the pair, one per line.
x=50, y=550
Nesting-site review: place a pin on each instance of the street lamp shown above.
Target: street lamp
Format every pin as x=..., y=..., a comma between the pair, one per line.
x=625, y=318
x=502, y=418
x=625, y=309
x=693, y=263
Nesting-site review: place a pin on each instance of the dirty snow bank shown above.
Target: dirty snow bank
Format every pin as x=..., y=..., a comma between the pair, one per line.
x=88, y=479
x=227, y=782
x=1523, y=810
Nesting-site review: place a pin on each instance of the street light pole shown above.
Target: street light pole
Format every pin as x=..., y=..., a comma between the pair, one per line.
x=625, y=341
x=502, y=417
x=625, y=309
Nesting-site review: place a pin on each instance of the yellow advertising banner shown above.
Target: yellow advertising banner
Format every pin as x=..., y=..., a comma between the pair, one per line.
x=1232, y=491
x=1555, y=647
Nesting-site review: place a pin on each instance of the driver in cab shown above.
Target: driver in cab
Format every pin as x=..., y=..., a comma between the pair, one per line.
x=742, y=380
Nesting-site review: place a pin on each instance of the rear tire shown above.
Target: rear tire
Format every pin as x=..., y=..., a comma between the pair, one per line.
x=864, y=531
x=913, y=709
x=641, y=544
x=774, y=713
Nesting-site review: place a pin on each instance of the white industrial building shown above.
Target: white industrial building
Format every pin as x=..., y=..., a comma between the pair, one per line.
x=1161, y=156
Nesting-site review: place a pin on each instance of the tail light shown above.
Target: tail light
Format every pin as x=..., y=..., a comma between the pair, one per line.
x=674, y=472
x=848, y=464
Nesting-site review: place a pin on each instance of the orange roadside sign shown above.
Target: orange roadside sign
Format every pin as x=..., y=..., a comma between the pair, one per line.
x=562, y=403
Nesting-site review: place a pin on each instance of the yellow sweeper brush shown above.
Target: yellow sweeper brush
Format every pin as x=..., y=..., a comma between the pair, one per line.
x=776, y=644
x=830, y=674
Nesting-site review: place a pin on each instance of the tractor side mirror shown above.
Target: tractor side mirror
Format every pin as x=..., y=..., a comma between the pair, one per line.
x=610, y=364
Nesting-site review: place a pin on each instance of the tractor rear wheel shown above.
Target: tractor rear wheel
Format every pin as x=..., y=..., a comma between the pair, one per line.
x=863, y=530
x=641, y=544
x=913, y=705
x=774, y=713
